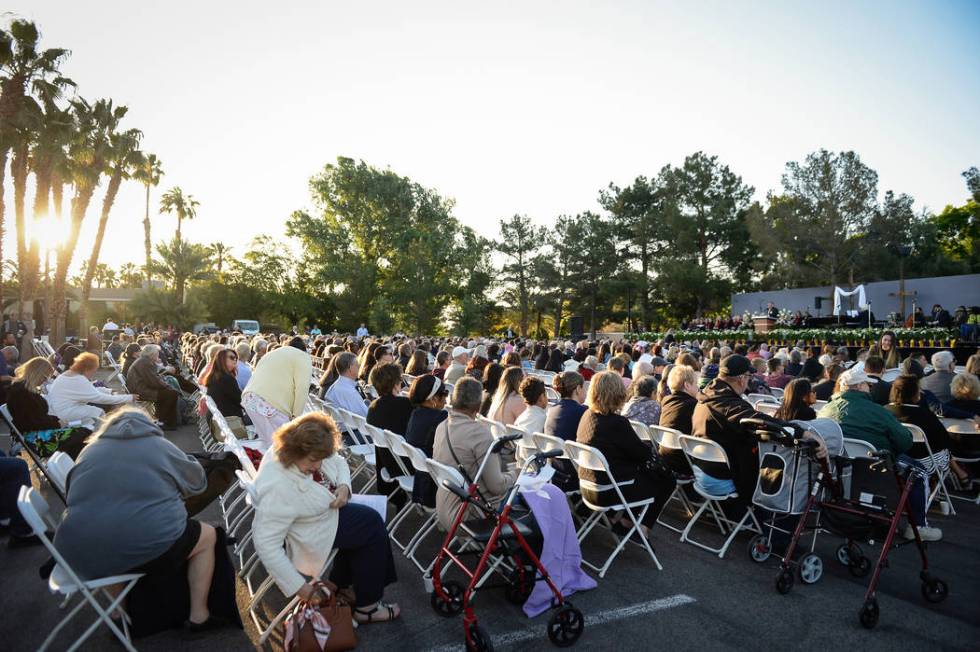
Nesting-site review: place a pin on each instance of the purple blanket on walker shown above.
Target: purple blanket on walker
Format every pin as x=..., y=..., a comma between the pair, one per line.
x=560, y=555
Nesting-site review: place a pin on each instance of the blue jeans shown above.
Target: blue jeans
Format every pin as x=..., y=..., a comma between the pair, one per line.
x=364, y=557
x=14, y=474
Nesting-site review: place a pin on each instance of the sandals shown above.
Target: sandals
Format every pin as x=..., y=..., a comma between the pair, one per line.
x=370, y=614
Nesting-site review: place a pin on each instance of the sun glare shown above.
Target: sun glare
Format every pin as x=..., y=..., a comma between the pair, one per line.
x=49, y=232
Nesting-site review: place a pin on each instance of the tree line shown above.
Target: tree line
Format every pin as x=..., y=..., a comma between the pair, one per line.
x=674, y=245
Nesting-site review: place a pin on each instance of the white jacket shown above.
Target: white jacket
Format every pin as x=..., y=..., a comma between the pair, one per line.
x=294, y=508
x=70, y=394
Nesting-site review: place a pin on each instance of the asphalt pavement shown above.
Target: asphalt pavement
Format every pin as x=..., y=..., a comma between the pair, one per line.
x=697, y=602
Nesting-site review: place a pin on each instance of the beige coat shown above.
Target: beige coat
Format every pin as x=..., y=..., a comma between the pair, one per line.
x=470, y=441
x=295, y=509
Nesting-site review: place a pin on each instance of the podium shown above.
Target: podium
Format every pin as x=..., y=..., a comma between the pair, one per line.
x=763, y=323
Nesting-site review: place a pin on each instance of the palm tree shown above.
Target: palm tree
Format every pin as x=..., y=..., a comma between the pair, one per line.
x=88, y=153
x=183, y=206
x=121, y=156
x=104, y=276
x=148, y=172
x=182, y=262
x=24, y=70
x=130, y=276
x=221, y=251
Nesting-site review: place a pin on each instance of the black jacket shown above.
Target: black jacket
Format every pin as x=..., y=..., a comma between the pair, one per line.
x=615, y=438
x=389, y=413
x=880, y=391
x=930, y=424
x=676, y=411
x=226, y=394
x=718, y=418
x=29, y=410
x=824, y=389
x=421, y=433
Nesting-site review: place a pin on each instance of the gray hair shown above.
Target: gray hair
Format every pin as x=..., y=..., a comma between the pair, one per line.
x=149, y=350
x=11, y=352
x=244, y=351
x=467, y=394
x=943, y=360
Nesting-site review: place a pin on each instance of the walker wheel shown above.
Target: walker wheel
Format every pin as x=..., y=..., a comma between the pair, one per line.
x=759, y=550
x=477, y=640
x=520, y=583
x=844, y=554
x=934, y=591
x=869, y=613
x=811, y=568
x=454, y=605
x=859, y=566
x=566, y=626
x=784, y=581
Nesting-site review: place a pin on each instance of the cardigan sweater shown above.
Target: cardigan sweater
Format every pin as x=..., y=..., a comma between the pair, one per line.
x=294, y=508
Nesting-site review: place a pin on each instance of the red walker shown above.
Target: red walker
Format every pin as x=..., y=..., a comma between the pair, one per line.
x=504, y=541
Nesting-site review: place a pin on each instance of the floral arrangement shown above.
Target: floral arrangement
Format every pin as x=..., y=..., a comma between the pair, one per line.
x=841, y=336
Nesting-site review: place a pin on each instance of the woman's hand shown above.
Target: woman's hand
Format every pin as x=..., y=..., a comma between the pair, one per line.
x=310, y=594
x=342, y=497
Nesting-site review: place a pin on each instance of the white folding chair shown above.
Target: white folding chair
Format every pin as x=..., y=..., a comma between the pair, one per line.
x=936, y=465
x=642, y=431
x=777, y=393
x=65, y=581
x=669, y=439
x=59, y=466
x=418, y=459
x=704, y=453
x=767, y=408
x=587, y=457
x=755, y=398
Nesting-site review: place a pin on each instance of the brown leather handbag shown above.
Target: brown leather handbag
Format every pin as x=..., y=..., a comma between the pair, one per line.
x=328, y=627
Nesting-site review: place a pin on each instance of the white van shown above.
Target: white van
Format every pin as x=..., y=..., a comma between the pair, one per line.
x=246, y=326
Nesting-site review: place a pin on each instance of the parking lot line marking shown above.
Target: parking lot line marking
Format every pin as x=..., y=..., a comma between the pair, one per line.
x=601, y=618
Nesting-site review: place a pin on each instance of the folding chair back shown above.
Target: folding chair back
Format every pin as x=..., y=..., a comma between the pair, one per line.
x=936, y=465
x=553, y=396
x=767, y=408
x=857, y=448
x=547, y=443
x=39, y=464
x=35, y=510
x=59, y=466
x=444, y=475
x=251, y=495
x=641, y=430
x=666, y=437
x=777, y=393
x=417, y=456
x=755, y=398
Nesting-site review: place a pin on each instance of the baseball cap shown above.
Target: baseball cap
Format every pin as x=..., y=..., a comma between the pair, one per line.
x=657, y=361
x=853, y=377
x=459, y=350
x=735, y=365
x=911, y=367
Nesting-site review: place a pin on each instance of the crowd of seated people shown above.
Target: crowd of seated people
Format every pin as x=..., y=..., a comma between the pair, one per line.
x=304, y=484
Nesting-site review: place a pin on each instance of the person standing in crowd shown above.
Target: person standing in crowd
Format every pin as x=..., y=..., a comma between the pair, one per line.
x=362, y=332
x=278, y=390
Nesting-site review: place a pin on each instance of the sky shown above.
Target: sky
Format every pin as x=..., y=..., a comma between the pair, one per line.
x=513, y=107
